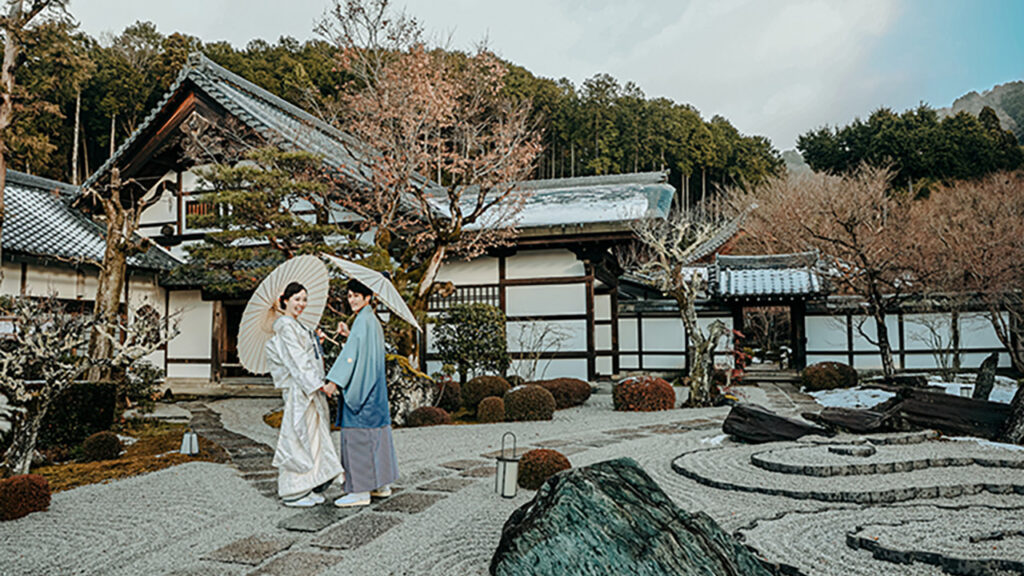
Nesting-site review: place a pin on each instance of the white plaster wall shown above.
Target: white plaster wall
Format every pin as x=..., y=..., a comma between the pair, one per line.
x=557, y=368
x=921, y=361
x=627, y=334
x=64, y=283
x=603, y=337
x=11, y=283
x=196, y=323
x=663, y=334
x=546, y=300
x=189, y=371
x=603, y=365
x=826, y=333
x=977, y=332
x=872, y=361
x=523, y=336
x=602, y=307
x=865, y=331
x=629, y=362
x=543, y=264
x=661, y=362
x=483, y=270
x=165, y=209
x=918, y=331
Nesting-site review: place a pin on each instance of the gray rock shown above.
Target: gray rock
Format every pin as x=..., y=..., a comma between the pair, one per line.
x=986, y=377
x=756, y=424
x=862, y=451
x=408, y=389
x=612, y=518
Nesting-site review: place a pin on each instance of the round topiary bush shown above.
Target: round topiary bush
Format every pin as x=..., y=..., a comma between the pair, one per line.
x=450, y=394
x=827, y=376
x=536, y=466
x=491, y=409
x=568, y=392
x=22, y=495
x=428, y=416
x=643, y=394
x=529, y=402
x=481, y=387
x=102, y=446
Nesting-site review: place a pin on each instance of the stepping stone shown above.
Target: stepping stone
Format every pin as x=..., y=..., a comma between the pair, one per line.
x=552, y=443
x=252, y=550
x=479, y=472
x=621, y=431
x=410, y=502
x=297, y=564
x=496, y=453
x=447, y=484
x=317, y=518
x=461, y=464
x=601, y=442
x=634, y=436
x=421, y=475
x=358, y=531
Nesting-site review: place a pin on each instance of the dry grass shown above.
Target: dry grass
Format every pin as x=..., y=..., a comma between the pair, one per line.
x=156, y=448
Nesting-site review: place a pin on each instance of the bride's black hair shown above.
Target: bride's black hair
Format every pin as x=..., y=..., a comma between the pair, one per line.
x=290, y=290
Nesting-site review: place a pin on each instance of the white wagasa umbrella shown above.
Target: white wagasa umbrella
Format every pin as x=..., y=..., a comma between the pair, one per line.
x=257, y=324
x=381, y=286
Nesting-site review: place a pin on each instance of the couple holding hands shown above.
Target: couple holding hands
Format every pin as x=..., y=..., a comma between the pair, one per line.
x=305, y=457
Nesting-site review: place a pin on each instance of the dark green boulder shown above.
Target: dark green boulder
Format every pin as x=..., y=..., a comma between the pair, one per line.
x=612, y=518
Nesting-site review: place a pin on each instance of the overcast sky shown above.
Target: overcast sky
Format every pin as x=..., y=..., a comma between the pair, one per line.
x=773, y=67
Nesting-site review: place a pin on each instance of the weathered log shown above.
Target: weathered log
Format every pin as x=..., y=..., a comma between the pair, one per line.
x=1013, y=428
x=756, y=424
x=986, y=377
x=612, y=518
x=853, y=420
x=953, y=414
x=906, y=380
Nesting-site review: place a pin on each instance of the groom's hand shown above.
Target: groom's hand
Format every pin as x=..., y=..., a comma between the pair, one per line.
x=330, y=388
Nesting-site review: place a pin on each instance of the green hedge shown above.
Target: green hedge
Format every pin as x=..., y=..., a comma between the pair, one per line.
x=81, y=411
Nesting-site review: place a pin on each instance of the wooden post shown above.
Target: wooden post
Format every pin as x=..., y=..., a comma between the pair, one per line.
x=798, y=334
x=614, y=297
x=591, y=355
x=217, y=341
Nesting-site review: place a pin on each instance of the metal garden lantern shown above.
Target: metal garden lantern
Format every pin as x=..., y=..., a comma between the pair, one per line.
x=189, y=443
x=506, y=479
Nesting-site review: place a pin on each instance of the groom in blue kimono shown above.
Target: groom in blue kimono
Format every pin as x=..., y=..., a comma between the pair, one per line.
x=367, y=449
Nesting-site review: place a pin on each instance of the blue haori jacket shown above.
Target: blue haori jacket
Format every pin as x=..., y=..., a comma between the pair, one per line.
x=359, y=374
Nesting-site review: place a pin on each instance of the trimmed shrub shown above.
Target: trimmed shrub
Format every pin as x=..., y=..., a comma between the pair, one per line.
x=481, y=387
x=428, y=416
x=102, y=446
x=450, y=394
x=471, y=337
x=643, y=394
x=827, y=376
x=491, y=409
x=23, y=495
x=536, y=466
x=83, y=409
x=140, y=386
x=568, y=392
x=529, y=402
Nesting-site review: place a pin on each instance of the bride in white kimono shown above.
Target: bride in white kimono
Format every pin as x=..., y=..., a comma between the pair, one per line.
x=305, y=457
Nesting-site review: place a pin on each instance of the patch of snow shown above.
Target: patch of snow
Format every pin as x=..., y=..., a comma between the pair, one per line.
x=127, y=440
x=714, y=440
x=1002, y=391
x=858, y=397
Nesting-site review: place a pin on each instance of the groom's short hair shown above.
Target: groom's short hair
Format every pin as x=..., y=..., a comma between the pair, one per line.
x=359, y=288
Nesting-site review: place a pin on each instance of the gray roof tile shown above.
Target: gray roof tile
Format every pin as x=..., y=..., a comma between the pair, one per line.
x=40, y=223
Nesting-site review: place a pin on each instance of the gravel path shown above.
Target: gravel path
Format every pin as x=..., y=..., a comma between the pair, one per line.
x=444, y=517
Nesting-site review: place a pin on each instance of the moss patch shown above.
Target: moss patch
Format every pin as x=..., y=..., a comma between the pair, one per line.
x=156, y=448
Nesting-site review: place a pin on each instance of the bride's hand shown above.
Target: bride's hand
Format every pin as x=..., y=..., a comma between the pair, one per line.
x=343, y=329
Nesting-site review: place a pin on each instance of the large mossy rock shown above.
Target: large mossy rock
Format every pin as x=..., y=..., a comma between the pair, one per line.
x=612, y=518
x=408, y=389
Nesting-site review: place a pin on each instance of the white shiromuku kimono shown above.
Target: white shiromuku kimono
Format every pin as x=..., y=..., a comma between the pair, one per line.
x=305, y=456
